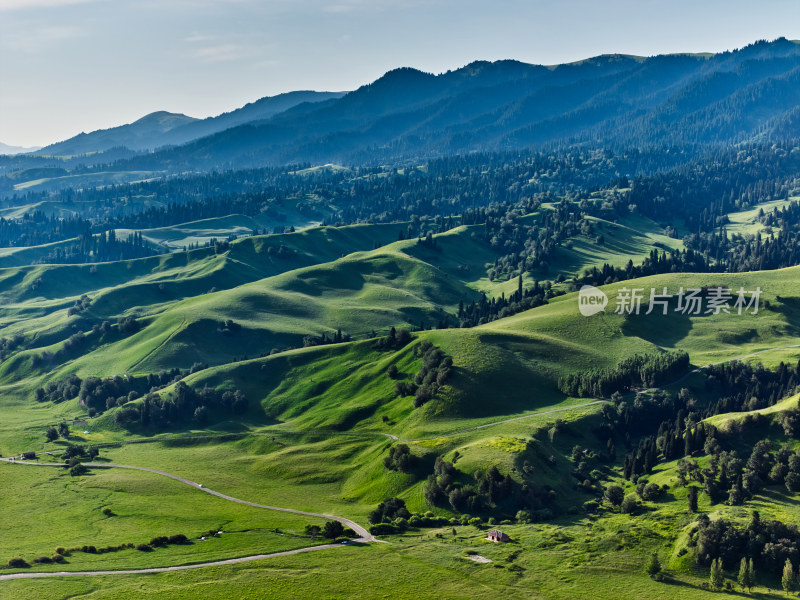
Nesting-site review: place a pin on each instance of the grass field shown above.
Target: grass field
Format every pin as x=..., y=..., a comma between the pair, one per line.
x=143, y=506
x=316, y=434
x=746, y=222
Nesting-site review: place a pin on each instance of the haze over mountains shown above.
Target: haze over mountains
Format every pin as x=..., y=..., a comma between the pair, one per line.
x=691, y=100
x=163, y=128
x=10, y=150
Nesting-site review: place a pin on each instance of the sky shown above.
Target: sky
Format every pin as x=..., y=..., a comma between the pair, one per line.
x=68, y=66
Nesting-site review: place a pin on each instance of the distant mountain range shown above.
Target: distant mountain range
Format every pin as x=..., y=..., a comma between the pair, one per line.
x=9, y=150
x=682, y=100
x=162, y=128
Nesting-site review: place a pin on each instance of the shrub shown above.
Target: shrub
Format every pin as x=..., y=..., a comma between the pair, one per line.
x=615, y=495
x=78, y=470
x=144, y=548
x=384, y=529
x=18, y=563
x=629, y=504
x=400, y=459
x=389, y=509
x=178, y=539
x=61, y=550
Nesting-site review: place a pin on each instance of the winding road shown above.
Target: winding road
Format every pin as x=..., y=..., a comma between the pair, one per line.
x=364, y=535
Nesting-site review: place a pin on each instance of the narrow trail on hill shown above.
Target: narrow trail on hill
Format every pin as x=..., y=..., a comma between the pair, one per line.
x=365, y=536
x=164, y=341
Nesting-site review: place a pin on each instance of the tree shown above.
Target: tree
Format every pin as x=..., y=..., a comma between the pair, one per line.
x=736, y=495
x=332, y=530
x=313, y=531
x=615, y=495
x=388, y=510
x=78, y=470
x=201, y=415
x=751, y=575
x=692, y=498
x=717, y=577
x=63, y=430
x=51, y=434
x=629, y=504
x=653, y=565
x=743, y=578
x=788, y=579
x=400, y=459
x=747, y=574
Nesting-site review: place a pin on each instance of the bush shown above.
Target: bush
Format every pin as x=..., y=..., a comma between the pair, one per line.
x=524, y=516
x=629, y=504
x=144, y=548
x=388, y=510
x=78, y=470
x=384, y=529
x=61, y=550
x=400, y=459
x=615, y=495
x=178, y=539
x=475, y=522
x=44, y=560
x=18, y=563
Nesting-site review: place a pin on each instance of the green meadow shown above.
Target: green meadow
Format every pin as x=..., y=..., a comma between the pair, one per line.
x=321, y=419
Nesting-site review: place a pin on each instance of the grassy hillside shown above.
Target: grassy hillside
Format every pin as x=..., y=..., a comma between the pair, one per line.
x=321, y=419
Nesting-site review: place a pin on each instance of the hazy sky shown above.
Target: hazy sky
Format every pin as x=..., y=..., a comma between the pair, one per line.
x=68, y=66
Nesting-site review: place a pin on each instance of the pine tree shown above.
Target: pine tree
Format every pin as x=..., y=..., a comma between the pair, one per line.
x=653, y=565
x=788, y=579
x=717, y=577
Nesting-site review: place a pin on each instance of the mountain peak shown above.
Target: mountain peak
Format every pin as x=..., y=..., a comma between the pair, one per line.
x=162, y=117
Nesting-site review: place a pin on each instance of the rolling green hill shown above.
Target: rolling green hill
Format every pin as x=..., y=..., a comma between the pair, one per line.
x=322, y=419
